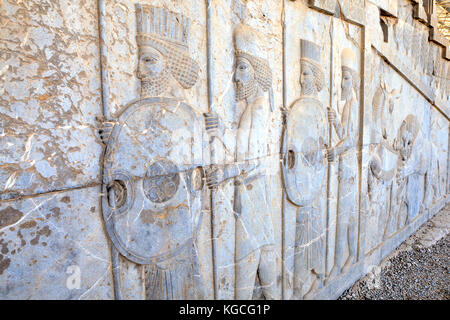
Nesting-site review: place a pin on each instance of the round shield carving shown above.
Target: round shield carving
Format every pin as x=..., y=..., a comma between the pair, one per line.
x=305, y=166
x=150, y=204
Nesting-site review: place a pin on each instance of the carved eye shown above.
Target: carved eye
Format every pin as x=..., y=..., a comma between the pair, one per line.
x=150, y=60
x=242, y=67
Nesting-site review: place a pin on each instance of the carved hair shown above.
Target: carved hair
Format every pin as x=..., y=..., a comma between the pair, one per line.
x=263, y=73
x=249, y=44
x=316, y=69
x=183, y=68
x=168, y=32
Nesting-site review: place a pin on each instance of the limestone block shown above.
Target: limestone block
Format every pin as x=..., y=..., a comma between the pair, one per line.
x=50, y=97
x=353, y=10
x=390, y=7
x=54, y=246
x=327, y=6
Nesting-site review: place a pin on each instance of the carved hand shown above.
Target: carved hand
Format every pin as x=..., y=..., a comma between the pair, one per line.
x=284, y=113
x=105, y=130
x=212, y=123
x=331, y=154
x=331, y=115
x=214, y=176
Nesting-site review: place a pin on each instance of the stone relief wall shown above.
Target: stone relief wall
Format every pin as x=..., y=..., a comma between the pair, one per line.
x=209, y=149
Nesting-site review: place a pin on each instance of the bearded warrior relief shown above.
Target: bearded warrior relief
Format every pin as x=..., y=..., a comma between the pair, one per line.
x=345, y=124
x=304, y=173
x=254, y=229
x=152, y=184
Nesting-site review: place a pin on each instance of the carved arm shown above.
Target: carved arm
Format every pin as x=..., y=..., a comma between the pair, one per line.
x=216, y=174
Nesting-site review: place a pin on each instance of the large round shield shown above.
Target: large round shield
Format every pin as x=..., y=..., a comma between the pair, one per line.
x=152, y=179
x=304, y=166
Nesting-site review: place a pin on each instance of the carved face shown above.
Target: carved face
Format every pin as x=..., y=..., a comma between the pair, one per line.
x=244, y=77
x=307, y=79
x=347, y=83
x=151, y=63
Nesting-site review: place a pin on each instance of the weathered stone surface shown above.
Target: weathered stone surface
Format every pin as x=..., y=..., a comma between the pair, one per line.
x=251, y=149
x=50, y=95
x=54, y=246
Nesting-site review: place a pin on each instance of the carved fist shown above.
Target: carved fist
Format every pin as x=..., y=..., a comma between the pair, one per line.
x=214, y=176
x=331, y=154
x=212, y=123
x=331, y=115
x=284, y=113
x=105, y=130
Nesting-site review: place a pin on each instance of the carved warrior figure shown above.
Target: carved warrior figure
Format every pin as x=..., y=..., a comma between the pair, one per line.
x=304, y=173
x=254, y=228
x=346, y=128
x=152, y=165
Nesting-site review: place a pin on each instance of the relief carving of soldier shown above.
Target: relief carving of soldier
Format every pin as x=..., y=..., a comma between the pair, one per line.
x=304, y=169
x=152, y=187
x=254, y=228
x=345, y=124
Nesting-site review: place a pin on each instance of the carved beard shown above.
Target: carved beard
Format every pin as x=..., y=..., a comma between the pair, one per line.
x=309, y=89
x=346, y=93
x=156, y=85
x=246, y=90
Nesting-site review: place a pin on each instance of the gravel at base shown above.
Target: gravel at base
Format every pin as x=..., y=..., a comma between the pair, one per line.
x=417, y=270
x=418, y=274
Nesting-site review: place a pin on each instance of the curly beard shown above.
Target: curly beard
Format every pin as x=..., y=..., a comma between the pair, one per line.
x=309, y=89
x=246, y=90
x=346, y=93
x=156, y=85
